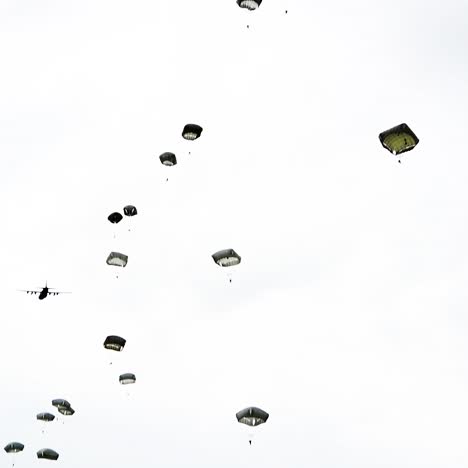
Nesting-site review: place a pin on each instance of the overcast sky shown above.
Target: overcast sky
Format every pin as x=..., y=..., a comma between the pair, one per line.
x=347, y=317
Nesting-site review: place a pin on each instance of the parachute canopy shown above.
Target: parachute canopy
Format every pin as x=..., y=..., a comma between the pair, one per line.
x=252, y=416
x=14, y=447
x=399, y=139
x=227, y=257
x=59, y=403
x=115, y=343
x=192, y=131
x=117, y=259
x=67, y=411
x=126, y=379
x=45, y=417
x=130, y=210
x=47, y=454
x=115, y=218
x=249, y=4
x=168, y=159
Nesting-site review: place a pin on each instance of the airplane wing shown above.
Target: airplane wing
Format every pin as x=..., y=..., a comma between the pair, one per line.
x=54, y=293
x=29, y=291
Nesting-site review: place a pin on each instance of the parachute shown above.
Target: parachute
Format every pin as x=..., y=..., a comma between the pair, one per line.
x=115, y=343
x=126, y=379
x=14, y=447
x=115, y=218
x=192, y=131
x=47, y=454
x=227, y=257
x=252, y=416
x=117, y=259
x=67, y=411
x=59, y=403
x=168, y=159
x=249, y=4
x=399, y=139
x=130, y=210
x=47, y=417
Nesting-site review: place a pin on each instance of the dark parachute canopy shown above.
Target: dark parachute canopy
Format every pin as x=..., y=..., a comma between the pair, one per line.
x=126, y=379
x=115, y=343
x=399, y=139
x=14, y=447
x=117, y=259
x=130, y=210
x=47, y=454
x=67, y=411
x=249, y=4
x=252, y=416
x=168, y=159
x=115, y=218
x=227, y=257
x=192, y=131
x=45, y=417
x=60, y=403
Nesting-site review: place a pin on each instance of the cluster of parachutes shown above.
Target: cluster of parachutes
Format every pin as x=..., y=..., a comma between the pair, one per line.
x=117, y=258
x=397, y=140
x=45, y=453
x=116, y=217
x=190, y=132
x=117, y=343
x=63, y=407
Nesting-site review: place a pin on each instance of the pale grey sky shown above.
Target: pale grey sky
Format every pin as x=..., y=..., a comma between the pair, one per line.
x=346, y=319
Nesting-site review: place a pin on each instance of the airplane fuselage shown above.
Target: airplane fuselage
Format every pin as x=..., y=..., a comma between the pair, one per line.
x=43, y=293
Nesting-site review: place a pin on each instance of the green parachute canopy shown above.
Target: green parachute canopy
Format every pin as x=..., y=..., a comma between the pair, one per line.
x=399, y=139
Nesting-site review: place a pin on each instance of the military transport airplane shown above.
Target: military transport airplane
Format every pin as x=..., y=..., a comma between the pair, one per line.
x=44, y=292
